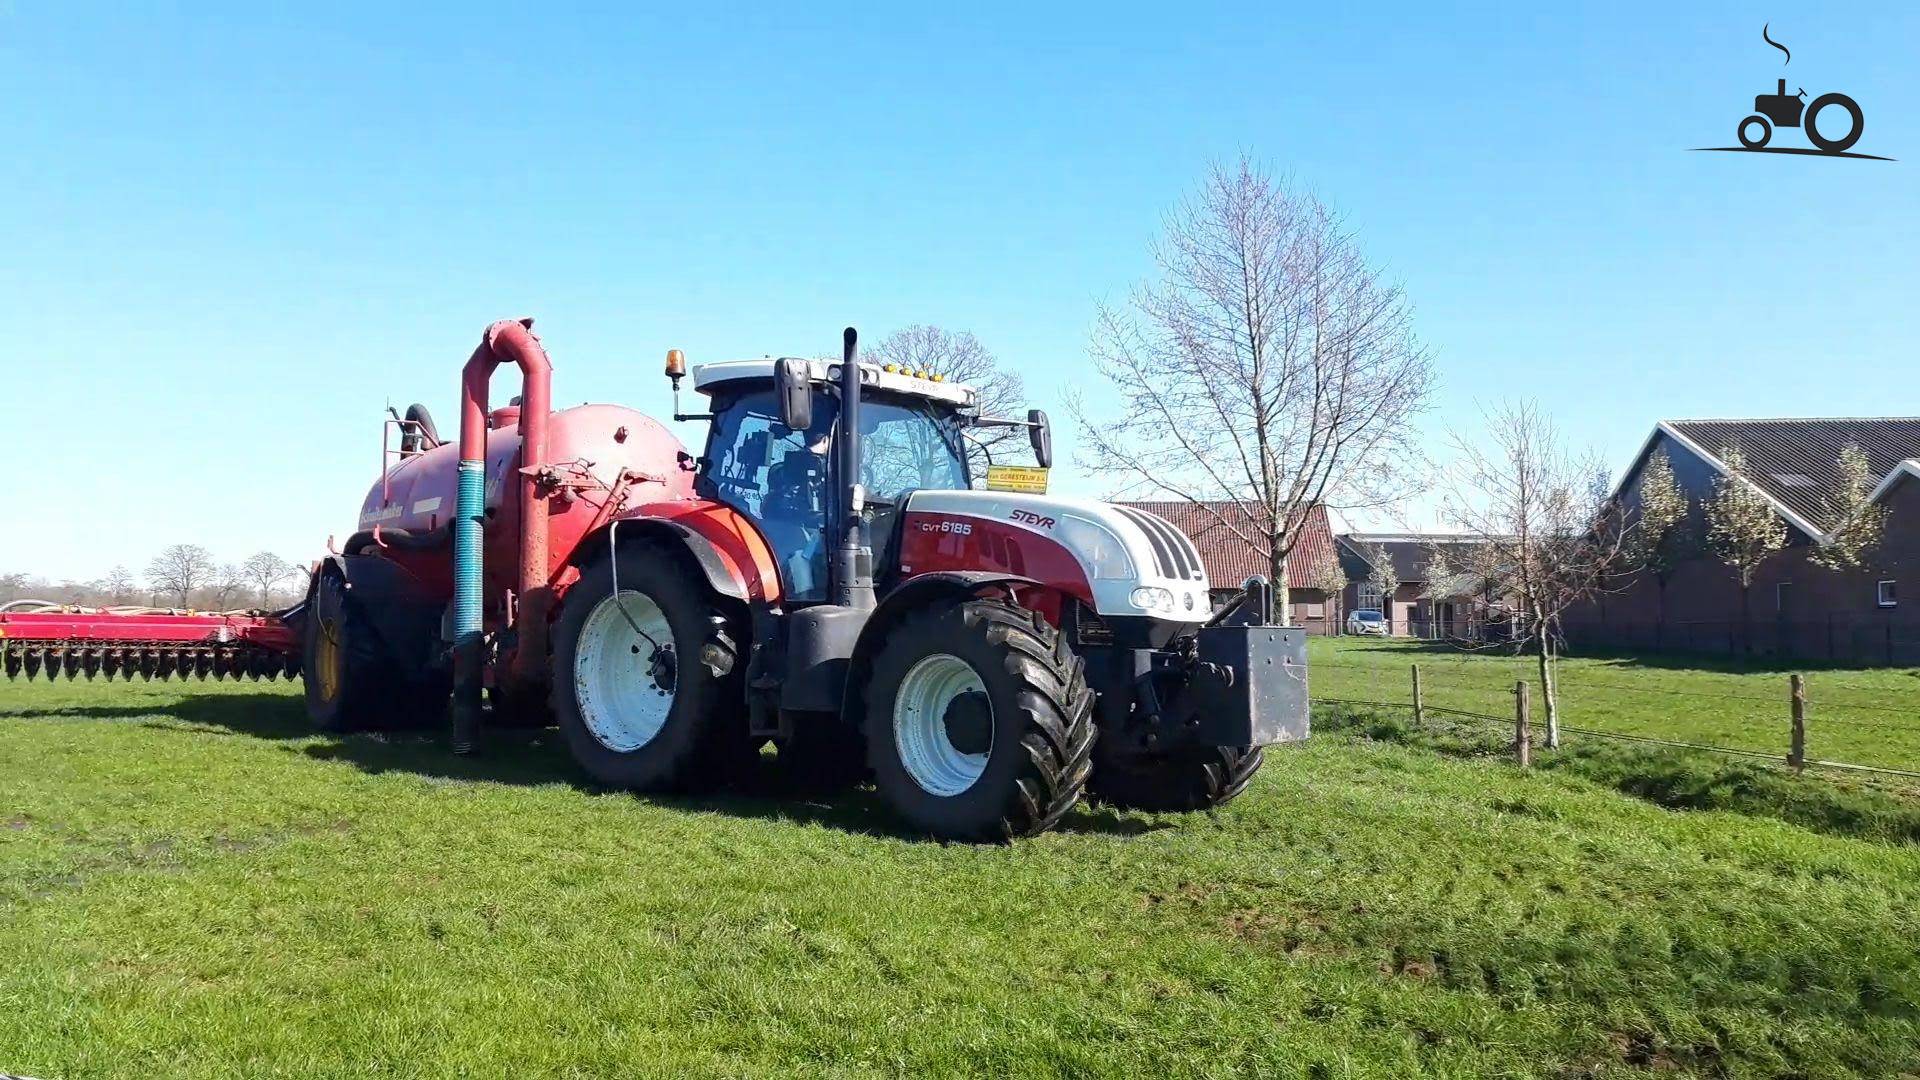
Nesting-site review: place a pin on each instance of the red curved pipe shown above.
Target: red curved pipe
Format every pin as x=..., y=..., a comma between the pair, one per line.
x=512, y=340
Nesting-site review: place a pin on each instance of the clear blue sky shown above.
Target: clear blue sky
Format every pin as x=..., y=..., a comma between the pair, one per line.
x=231, y=237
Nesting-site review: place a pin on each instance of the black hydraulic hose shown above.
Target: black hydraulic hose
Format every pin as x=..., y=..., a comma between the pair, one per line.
x=403, y=539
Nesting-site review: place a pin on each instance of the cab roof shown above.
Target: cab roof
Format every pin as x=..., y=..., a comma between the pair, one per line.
x=712, y=378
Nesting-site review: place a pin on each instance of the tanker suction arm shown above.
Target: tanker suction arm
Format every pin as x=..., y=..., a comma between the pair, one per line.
x=509, y=340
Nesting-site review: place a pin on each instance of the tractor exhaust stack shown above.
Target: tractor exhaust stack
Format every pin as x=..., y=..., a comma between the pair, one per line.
x=852, y=567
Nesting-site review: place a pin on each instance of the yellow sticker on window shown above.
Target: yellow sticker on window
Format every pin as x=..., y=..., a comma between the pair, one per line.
x=1027, y=478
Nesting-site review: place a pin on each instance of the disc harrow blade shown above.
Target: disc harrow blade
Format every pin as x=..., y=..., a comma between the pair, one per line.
x=52, y=660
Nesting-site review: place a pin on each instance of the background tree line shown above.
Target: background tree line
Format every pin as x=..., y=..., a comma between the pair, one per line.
x=179, y=576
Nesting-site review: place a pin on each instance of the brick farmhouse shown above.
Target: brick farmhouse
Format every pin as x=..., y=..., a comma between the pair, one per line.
x=1424, y=603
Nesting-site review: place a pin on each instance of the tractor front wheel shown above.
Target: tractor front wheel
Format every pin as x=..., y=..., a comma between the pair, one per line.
x=635, y=695
x=1189, y=778
x=979, y=722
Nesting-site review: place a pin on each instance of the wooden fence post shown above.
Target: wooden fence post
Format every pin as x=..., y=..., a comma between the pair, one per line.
x=1522, y=724
x=1797, y=746
x=1419, y=711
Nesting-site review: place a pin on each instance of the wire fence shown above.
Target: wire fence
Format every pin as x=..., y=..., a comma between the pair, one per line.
x=1825, y=720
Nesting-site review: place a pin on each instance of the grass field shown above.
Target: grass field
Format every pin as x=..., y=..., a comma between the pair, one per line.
x=190, y=883
x=1866, y=717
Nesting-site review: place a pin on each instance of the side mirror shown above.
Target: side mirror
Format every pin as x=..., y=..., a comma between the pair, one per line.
x=1042, y=437
x=793, y=385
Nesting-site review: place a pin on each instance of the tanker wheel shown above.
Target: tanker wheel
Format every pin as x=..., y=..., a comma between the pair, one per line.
x=1187, y=778
x=350, y=682
x=1845, y=142
x=979, y=722
x=639, y=704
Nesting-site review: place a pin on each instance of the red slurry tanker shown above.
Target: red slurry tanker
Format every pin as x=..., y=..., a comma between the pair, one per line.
x=821, y=575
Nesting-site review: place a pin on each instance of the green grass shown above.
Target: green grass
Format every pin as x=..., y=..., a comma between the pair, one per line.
x=1680, y=779
x=1865, y=717
x=192, y=884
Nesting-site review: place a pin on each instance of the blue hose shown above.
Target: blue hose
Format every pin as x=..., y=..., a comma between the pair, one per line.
x=469, y=514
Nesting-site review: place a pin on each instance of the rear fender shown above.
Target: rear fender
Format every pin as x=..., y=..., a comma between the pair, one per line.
x=736, y=558
x=720, y=573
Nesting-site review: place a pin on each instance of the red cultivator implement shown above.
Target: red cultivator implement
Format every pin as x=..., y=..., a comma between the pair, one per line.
x=50, y=641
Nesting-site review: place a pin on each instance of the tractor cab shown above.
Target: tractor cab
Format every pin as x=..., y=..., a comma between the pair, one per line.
x=776, y=443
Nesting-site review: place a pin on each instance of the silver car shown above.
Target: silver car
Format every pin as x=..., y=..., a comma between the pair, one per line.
x=1367, y=621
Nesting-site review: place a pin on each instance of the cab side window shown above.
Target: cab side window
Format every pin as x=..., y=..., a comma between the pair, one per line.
x=779, y=478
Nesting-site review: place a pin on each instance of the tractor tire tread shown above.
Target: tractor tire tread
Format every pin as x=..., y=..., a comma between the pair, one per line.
x=1055, y=707
x=1193, y=778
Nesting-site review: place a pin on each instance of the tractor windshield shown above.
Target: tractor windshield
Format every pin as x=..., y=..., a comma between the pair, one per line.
x=907, y=445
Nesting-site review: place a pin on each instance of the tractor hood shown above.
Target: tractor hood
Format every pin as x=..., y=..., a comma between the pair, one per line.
x=1132, y=562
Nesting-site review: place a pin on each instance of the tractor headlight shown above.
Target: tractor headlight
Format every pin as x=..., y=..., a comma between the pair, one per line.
x=1152, y=598
x=1103, y=552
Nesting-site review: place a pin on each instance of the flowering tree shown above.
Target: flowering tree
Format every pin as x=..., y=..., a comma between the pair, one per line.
x=1381, y=575
x=1858, y=522
x=1743, y=530
x=1664, y=535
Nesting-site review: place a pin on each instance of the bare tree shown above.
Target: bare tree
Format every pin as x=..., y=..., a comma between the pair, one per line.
x=226, y=587
x=1665, y=536
x=264, y=571
x=959, y=357
x=179, y=569
x=1539, y=521
x=119, y=585
x=1859, y=523
x=1742, y=529
x=1270, y=367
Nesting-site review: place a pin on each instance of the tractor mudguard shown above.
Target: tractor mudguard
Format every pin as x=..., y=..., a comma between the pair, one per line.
x=719, y=575
x=915, y=593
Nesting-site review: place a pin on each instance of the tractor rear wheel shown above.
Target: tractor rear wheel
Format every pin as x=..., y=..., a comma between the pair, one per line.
x=1189, y=778
x=635, y=686
x=979, y=722
x=350, y=681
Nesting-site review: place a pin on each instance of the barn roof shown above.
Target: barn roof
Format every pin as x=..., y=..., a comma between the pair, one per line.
x=1794, y=463
x=1410, y=554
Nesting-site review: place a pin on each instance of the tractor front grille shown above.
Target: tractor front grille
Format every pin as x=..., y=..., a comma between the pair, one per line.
x=1174, y=556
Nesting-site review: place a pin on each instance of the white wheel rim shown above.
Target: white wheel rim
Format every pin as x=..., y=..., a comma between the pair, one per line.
x=920, y=732
x=616, y=679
